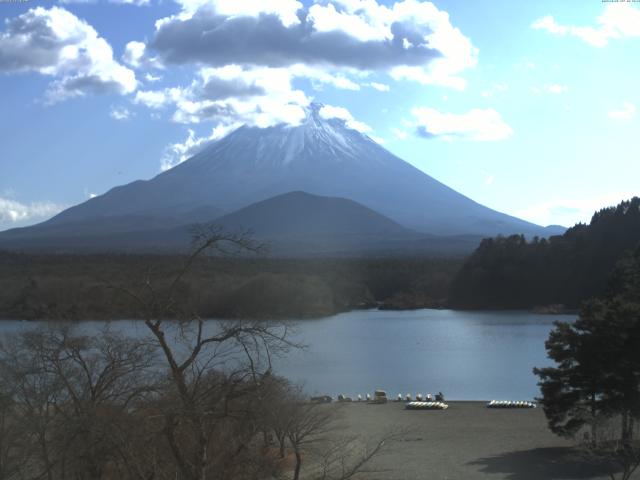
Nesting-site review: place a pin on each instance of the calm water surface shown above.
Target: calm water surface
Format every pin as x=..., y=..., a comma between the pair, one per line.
x=466, y=355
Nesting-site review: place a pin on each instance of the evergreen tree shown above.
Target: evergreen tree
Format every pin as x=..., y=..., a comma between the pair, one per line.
x=596, y=380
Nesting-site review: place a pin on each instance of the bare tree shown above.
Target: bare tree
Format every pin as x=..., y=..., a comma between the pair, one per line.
x=314, y=432
x=73, y=396
x=308, y=423
x=12, y=447
x=215, y=369
x=276, y=410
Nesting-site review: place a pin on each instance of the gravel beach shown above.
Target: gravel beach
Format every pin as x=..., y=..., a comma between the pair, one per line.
x=467, y=441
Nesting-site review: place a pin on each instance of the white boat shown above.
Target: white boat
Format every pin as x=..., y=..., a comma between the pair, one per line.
x=426, y=406
x=510, y=404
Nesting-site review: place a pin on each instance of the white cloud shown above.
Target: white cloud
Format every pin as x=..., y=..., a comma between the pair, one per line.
x=136, y=55
x=381, y=87
x=151, y=99
x=457, y=53
x=476, y=124
x=139, y=3
x=416, y=24
x=329, y=111
x=619, y=20
x=319, y=76
x=285, y=10
x=13, y=212
x=627, y=112
x=177, y=153
x=569, y=211
x=120, y=113
x=152, y=78
x=361, y=19
x=343, y=83
x=55, y=42
x=378, y=140
x=232, y=94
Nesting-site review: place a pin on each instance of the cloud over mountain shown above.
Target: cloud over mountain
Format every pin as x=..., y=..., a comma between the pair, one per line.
x=176, y=153
x=341, y=113
x=231, y=94
x=411, y=39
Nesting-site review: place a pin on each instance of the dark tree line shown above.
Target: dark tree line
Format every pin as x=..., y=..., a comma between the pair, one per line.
x=32, y=286
x=511, y=272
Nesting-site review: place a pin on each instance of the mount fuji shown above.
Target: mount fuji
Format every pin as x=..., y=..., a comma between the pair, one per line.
x=321, y=157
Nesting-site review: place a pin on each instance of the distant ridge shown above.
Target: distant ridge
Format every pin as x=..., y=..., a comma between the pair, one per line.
x=292, y=224
x=300, y=214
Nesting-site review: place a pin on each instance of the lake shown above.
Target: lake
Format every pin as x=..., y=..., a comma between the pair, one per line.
x=466, y=355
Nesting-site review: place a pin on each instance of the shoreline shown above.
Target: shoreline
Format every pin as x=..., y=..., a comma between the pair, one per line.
x=303, y=317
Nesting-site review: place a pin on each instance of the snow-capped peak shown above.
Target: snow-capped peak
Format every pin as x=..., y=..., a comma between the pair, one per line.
x=325, y=135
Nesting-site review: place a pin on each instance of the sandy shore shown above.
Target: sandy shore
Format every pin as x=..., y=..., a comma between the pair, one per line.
x=467, y=441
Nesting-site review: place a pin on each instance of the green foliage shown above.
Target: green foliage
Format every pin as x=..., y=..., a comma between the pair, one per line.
x=511, y=272
x=597, y=372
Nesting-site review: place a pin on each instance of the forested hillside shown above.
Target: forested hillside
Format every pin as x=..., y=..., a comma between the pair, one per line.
x=511, y=272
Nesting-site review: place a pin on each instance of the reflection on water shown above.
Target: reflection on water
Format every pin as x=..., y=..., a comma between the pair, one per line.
x=466, y=355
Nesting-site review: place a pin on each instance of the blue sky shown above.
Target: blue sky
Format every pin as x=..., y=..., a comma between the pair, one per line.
x=529, y=108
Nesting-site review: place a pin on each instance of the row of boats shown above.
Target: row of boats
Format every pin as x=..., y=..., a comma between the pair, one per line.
x=510, y=404
x=428, y=402
x=418, y=405
x=380, y=396
x=426, y=406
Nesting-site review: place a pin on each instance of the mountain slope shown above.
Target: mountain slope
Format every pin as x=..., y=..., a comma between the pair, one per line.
x=321, y=156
